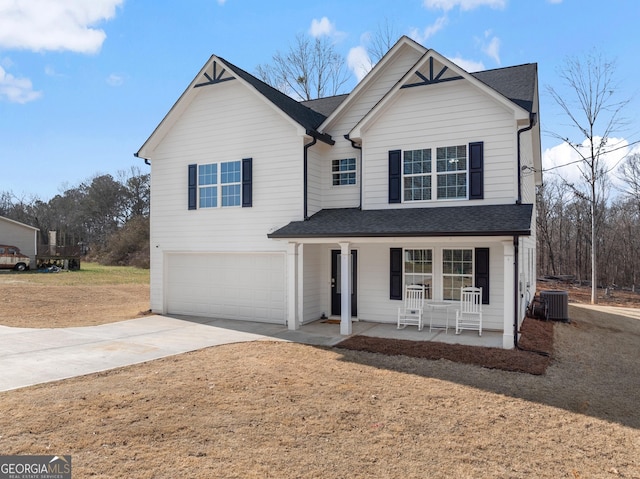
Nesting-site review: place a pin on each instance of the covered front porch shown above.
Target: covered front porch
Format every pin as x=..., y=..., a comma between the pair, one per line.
x=353, y=265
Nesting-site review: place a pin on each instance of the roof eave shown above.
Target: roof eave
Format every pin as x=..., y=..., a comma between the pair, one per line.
x=393, y=234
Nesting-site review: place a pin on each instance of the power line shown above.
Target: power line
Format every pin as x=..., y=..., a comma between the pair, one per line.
x=582, y=159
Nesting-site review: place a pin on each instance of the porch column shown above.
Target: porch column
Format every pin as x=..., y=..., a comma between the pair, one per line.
x=292, y=286
x=508, y=294
x=345, y=289
x=300, y=285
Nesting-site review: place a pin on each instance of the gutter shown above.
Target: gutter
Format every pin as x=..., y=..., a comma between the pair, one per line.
x=532, y=122
x=146, y=161
x=316, y=136
x=353, y=144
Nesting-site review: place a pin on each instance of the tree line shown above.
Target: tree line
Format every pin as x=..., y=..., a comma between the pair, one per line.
x=105, y=217
x=564, y=230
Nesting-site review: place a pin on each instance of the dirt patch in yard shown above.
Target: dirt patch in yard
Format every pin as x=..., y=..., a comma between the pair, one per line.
x=25, y=305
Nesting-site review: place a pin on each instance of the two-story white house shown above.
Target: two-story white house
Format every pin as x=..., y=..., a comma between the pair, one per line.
x=268, y=209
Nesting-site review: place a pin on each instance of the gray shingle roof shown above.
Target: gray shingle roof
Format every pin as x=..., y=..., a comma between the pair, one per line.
x=325, y=106
x=477, y=220
x=303, y=115
x=517, y=83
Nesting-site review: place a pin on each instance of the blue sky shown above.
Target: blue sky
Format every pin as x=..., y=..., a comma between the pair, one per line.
x=83, y=83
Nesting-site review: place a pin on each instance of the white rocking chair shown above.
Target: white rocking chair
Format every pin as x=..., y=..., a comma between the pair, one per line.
x=469, y=316
x=411, y=313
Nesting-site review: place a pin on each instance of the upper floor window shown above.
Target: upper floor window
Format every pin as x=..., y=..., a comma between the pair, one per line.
x=343, y=172
x=219, y=184
x=416, y=169
x=451, y=165
x=449, y=181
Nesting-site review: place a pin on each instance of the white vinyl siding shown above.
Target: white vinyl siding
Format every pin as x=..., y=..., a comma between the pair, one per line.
x=276, y=148
x=446, y=114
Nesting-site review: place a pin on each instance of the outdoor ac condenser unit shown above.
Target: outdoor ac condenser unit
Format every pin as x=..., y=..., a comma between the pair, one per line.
x=557, y=304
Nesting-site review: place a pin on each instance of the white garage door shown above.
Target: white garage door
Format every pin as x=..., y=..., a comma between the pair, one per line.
x=232, y=286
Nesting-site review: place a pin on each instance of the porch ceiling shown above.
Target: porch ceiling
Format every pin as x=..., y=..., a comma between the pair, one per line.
x=478, y=220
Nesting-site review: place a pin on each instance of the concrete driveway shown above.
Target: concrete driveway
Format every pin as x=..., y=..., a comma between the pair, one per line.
x=33, y=356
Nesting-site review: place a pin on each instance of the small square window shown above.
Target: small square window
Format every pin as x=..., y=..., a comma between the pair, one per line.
x=343, y=172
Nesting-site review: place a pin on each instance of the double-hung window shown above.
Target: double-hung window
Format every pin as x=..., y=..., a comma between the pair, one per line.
x=457, y=272
x=451, y=167
x=418, y=269
x=219, y=184
x=416, y=169
x=343, y=172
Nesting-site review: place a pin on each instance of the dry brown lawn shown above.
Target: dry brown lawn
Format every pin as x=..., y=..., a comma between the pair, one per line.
x=286, y=410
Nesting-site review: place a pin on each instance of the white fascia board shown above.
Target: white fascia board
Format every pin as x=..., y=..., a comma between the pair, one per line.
x=171, y=117
x=370, y=77
x=185, y=100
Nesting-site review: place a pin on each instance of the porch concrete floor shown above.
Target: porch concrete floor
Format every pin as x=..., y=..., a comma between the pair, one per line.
x=322, y=333
x=411, y=333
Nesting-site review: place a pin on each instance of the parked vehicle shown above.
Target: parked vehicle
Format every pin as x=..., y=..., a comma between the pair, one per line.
x=12, y=258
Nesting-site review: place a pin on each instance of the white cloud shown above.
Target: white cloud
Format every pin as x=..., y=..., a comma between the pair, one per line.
x=492, y=49
x=562, y=160
x=16, y=90
x=429, y=31
x=59, y=25
x=222, y=2
x=321, y=27
x=115, y=80
x=554, y=1
x=359, y=62
x=468, y=65
x=464, y=5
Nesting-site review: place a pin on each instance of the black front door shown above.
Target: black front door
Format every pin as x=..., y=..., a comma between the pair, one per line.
x=336, y=297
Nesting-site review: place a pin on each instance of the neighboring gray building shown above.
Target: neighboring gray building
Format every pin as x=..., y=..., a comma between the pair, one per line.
x=18, y=234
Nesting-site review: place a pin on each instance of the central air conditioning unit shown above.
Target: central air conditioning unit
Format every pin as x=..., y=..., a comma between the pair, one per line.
x=557, y=305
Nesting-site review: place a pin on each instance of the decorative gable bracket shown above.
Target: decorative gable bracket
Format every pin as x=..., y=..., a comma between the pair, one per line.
x=431, y=80
x=215, y=77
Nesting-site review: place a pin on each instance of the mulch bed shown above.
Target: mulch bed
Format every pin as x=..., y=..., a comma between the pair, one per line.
x=533, y=356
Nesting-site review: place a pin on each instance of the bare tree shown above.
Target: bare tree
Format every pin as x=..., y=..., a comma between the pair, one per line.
x=381, y=41
x=630, y=174
x=595, y=114
x=312, y=68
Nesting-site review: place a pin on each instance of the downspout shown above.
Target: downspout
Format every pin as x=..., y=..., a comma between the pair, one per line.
x=353, y=144
x=516, y=289
x=306, y=168
x=532, y=122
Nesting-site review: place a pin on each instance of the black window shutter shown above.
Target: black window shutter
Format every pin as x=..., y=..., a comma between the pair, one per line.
x=193, y=186
x=247, y=182
x=482, y=273
x=395, y=290
x=476, y=170
x=395, y=176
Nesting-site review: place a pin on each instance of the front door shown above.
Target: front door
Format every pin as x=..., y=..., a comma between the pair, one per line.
x=336, y=297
